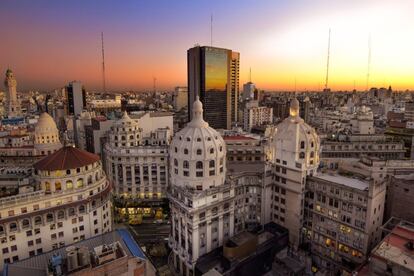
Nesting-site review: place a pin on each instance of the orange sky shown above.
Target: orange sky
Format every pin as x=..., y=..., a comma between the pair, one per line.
x=48, y=44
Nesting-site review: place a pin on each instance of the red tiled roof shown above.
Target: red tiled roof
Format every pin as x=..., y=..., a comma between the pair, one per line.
x=237, y=137
x=66, y=158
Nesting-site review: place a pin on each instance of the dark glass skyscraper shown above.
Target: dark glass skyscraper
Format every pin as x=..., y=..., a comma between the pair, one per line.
x=213, y=74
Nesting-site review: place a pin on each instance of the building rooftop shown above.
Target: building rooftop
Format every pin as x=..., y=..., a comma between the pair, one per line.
x=237, y=137
x=66, y=158
x=351, y=182
x=38, y=265
x=398, y=247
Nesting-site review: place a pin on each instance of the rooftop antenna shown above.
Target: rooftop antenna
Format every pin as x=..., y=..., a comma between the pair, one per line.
x=211, y=30
x=369, y=62
x=327, y=60
x=103, y=63
x=295, y=87
x=250, y=74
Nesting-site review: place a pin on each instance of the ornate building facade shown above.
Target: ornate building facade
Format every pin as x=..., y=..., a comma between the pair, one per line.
x=202, y=202
x=67, y=200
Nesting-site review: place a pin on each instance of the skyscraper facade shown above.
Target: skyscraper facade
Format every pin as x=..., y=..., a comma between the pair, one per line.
x=76, y=98
x=213, y=75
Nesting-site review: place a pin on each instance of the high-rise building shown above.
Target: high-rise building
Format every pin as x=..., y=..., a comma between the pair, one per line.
x=180, y=98
x=201, y=201
x=137, y=163
x=296, y=149
x=213, y=75
x=13, y=105
x=76, y=98
x=248, y=91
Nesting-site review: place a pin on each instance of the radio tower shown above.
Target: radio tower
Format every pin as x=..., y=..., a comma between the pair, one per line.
x=211, y=30
x=327, y=61
x=103, y=63
x=369, y=62
x=154, y=85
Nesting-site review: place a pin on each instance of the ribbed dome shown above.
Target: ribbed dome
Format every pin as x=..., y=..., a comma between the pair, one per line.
x=45, y=124
x=297, y=142
x=66, y=158
x=198, y=153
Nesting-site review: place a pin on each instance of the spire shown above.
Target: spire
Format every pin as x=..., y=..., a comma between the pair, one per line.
x=294, y=108
x=198, y=120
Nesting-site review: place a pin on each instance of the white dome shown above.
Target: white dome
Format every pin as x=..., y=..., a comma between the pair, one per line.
x=46, y=134
x=198, y=154
x=296, y=142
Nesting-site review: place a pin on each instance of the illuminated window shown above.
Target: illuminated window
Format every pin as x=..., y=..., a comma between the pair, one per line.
x=79, y=183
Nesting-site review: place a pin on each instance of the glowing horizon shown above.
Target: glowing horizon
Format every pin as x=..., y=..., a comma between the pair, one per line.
x=49, y=43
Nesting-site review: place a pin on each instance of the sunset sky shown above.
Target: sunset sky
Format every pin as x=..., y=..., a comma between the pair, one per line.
x=48, y=43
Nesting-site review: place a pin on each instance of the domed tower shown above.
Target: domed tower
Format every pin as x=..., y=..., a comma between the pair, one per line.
x=46, y=135
x=13, y=104
x=125, y=133
x=202, y=211
x=296, y=149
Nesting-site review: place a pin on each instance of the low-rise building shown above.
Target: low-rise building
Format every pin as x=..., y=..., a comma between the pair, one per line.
x=113, y=254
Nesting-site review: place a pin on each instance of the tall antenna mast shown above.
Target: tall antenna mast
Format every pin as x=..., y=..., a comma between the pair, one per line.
x=250, y=74
x=103, y=63
x=211, y=30
x=369, y=62
x=327, y=60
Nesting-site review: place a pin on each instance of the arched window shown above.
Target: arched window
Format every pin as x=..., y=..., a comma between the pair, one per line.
x=302, y=155
x=90, y=180
x=199, y=165
x=71, y=211
x=198, y=139
x=67, y=172
x=312, y=154
x=1, y=229
x=312, y=144
x=131, y=137
x=175, y=149
x=186, y=164
x=175, y=162
x=96, y=176
x=302, y=144
x=79, y=183
x=82, y=209
x=58, y=186
x=69, y=185
x=211, y=164
x=185, y=151
x=13, y=227
x=221, y=148
x=25, y=223
x=61, y=214
x=38, y=220
x=199, y=151
x=47, y=187
x=49, y=217
x=211, y=150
